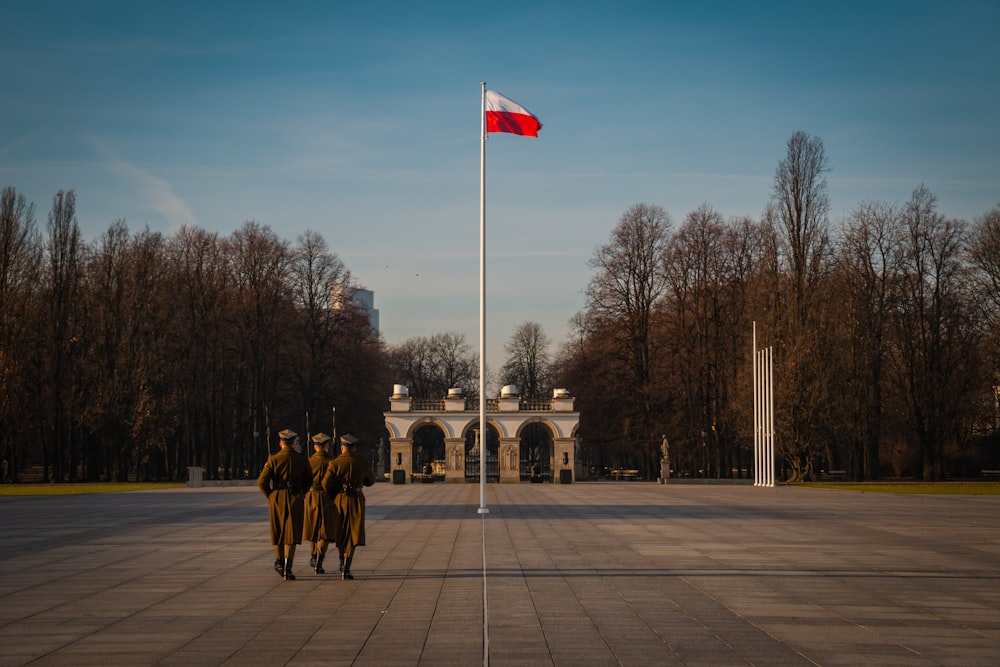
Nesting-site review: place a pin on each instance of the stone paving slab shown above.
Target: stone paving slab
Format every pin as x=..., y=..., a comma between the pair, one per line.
x=583, y=574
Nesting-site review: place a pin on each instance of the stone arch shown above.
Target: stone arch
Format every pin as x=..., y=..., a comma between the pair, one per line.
x=553, y=431
x=471, y=424
x=473, y=454
x=535, y=450
x=429, y=451
x=446, y=427
x=508, y=420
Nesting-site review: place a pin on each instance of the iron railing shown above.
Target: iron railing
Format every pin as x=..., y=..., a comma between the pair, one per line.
x=472, y=404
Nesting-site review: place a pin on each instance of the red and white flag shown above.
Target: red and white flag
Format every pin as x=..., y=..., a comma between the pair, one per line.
x=506, y=115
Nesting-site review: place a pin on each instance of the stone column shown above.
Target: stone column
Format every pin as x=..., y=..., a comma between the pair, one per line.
x=401, y=458
x=510, y=460
x=454, y=454
x=563, y=459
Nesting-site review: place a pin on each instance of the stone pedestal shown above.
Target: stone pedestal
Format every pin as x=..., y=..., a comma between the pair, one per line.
x=664, y=470
x=563, y=459
x=401, y=457
x=196, y=477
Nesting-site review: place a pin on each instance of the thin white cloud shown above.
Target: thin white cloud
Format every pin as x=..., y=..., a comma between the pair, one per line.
x=24, y=140
x=157, y=192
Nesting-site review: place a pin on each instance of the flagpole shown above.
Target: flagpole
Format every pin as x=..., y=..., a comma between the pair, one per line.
x=757, y=467
x=483, y=509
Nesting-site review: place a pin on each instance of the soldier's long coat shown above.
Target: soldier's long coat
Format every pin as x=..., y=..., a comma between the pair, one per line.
x=344, y=478
x=285, y=505
x=321, y=516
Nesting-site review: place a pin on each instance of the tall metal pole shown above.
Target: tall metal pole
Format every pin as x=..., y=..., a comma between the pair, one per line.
x=483, y=509
x=756, y=413
x=770, y=416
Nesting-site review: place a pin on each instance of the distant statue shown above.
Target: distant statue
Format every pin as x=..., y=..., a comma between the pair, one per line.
x=665, y=461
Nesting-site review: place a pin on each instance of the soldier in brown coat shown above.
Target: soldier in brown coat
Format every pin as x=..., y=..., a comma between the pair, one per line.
x=344, y=478
x=321, y=517
x=285, y=480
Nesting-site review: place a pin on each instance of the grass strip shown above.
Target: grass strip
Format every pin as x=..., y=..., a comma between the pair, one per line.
x=930, y=488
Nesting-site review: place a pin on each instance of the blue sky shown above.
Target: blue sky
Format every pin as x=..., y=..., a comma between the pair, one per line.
x=361, y=121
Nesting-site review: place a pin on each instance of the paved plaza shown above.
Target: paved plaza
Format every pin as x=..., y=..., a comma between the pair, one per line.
x=580, y=574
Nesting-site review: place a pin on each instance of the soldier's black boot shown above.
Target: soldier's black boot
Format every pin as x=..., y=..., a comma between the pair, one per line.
x=346, y=574
x=279, y=567
x=288, y=570
x=318, y=567
x=312, y=560
x=341, y=561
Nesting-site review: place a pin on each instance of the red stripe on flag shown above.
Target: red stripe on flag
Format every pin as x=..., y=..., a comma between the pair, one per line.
x=514, y=123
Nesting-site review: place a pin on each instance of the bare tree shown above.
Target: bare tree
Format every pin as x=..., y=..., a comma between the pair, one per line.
x=527, y=363
x=258, y=260
x=708, y=268
x=747, y=247
x=799, y=208
x=361, y=379
x=189, y=351
x=200, y=350
x=622, y=296
x=19, y=254
x=985, y=253
x=430, y=366
x=869, y=270
x=107, y=351
x=937, y=338
x=62, y=295
x=124, y=371
x=984, y=246
x=456, y=362
x=20, y=257
x=316, y=275
x=590, y=364
x=412, y=365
